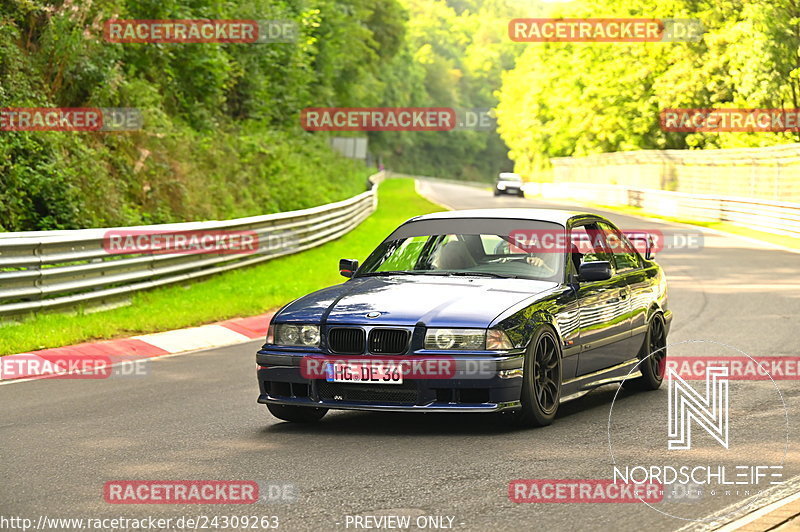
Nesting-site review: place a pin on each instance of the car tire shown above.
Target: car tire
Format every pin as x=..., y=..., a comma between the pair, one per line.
x=652, y=355
x=496, y=192
x=521, y=193
x=297, y=414
x=541, y=392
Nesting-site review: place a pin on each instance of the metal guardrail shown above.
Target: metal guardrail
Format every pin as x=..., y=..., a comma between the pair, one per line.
x=43, y=270
x=776, y=217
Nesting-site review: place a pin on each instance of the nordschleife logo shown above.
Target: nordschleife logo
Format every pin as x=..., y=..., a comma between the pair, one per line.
x=687, y=406
x=711, y=436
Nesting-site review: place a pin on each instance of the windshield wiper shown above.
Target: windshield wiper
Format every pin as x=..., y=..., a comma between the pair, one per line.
x=440, y=273
x=397, y=272
x=481, y=274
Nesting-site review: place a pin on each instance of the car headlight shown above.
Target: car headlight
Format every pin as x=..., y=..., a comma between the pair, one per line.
x=462, y=339
x=299, y=335
x=467, y=339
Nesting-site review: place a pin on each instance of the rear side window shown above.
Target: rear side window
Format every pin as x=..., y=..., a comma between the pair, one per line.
x=623, y=252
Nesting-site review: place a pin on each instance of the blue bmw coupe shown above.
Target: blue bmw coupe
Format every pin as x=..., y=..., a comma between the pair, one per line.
x=512, y=311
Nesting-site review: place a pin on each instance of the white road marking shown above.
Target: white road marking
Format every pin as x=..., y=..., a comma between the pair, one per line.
x=194, y=338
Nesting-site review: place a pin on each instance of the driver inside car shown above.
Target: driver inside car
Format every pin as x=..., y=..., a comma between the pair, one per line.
x=544, y=260
x=536, y=259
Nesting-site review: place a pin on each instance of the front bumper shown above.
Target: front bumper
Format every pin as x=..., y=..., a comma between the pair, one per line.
x=508, y=189
x=495, y=387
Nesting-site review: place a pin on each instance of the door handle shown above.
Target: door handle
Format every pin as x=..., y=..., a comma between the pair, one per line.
x=620, y=296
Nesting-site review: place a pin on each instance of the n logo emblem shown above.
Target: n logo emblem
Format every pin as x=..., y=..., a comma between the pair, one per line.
x=709, y=411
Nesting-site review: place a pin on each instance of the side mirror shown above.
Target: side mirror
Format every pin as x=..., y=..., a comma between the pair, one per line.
x=347, y=267
x=595, y=271
x=644, y=244
x=650, y=252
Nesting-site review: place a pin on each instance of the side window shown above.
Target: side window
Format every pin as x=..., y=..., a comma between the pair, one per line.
x=624, y=254
x=588, y=244
x=499, y=245
x=494, y=245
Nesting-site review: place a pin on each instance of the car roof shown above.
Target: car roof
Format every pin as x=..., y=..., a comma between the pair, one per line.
x=543, y=215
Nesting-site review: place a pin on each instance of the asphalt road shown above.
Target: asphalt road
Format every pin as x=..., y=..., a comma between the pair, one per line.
x=195, y=417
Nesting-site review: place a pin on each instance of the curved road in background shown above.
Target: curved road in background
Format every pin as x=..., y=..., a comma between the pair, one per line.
x=195, y=417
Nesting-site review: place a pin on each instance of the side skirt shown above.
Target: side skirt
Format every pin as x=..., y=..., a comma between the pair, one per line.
x=580, y=386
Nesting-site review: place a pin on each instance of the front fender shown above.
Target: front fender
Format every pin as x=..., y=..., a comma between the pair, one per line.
x=521, y=325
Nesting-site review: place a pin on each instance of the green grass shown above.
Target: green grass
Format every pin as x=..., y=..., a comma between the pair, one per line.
x=727, y=227
x=243, y=292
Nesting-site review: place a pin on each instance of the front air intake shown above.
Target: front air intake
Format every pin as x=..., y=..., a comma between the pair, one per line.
x=347, y=340
x=388, y=341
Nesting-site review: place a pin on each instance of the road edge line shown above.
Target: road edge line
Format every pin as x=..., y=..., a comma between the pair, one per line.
x=417, y=182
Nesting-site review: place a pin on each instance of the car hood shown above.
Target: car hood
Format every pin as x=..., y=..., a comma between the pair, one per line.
x=408, y=300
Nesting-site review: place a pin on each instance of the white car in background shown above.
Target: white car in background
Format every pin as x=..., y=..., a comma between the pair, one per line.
x=509, y=183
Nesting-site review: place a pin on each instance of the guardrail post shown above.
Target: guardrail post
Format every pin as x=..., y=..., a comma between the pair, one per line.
x=37, y=251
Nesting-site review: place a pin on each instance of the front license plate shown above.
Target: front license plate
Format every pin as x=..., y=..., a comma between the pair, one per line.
x=364, y=373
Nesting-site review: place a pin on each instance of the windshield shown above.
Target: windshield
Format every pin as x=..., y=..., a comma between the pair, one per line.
x=487, y=251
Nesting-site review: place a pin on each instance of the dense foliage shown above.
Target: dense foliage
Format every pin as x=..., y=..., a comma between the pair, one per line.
x=453, y=56
x=567, y=99
x=222, y=134
x=221, y=137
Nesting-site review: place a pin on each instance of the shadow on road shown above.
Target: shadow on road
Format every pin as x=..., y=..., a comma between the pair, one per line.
x=596, y=403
